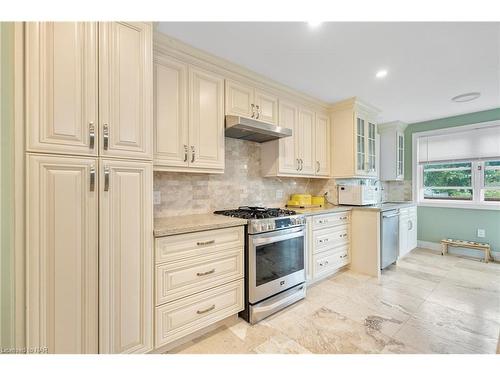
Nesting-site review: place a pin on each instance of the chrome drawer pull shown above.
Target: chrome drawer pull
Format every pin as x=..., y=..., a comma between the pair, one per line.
x=253, y=110
x=92, y=178
x=106, y=178
x=105, y=135
x=343, y=256
x=343, y=235
x=205, y=273
x=206, y=310
x=91, y=135
x=185, y=153
x=205, y=243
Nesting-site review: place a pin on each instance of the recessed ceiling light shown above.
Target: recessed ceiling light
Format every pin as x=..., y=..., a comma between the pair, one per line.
x=381, y=73
x=314, y=24
x=466, y=97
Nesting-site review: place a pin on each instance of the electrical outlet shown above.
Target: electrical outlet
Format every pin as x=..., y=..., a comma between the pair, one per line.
x=156, y=197
x=279, y=194
x=481, y=233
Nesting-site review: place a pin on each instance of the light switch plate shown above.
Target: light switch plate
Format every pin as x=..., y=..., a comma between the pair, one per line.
x=156, y=197
x=481, y=233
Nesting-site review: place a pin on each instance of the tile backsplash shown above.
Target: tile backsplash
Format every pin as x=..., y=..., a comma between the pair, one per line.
x=240, y=184
x=396, y=191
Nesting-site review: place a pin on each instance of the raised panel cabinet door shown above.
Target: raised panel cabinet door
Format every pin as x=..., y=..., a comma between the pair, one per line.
x=206, y=119
x=126, y=89
x=170, y=139
x=306, y=141
x=266, y=107
x=125, y=257
x=239, y=99
x=62, y=254
x=288, y=146
x=322, y=145
x=412, y=232
x=61, y=87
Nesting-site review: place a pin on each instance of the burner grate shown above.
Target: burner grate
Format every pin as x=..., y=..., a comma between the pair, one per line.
x=250, y=212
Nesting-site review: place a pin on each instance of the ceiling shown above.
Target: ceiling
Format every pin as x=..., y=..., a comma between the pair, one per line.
x=427, y=63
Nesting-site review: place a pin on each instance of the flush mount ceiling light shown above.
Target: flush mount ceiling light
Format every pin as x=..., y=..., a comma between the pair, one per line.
x=467, y=97
x=314, y=24
x=381, y=73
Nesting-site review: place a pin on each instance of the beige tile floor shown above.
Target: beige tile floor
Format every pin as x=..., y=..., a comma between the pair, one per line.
x=425, y=304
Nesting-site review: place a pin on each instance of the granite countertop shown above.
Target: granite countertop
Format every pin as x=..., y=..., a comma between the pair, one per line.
x=386, y=206
x=167, y=226
x=328, y=208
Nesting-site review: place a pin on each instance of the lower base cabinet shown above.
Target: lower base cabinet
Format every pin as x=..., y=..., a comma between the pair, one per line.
x=407, y=230
x=328, y=246
x=199, y=281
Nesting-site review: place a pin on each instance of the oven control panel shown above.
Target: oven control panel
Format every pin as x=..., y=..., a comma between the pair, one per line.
x=267, y=225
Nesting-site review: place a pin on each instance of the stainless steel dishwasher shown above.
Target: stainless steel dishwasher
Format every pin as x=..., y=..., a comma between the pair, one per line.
x=389, y=239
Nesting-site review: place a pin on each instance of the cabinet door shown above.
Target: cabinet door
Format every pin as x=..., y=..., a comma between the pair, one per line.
x=61, y=87
x=125, y=89
x=206, y=119
x=371, y=149
x=266, y=107
x=403, y=232
x=412, y=232
x=400, y=144
x=322, y=145
x=239, y=99
x=360, y=145
x=62, y=254
x=288, y=146
x=125, y=257
x=170, y=113
x=306, y=142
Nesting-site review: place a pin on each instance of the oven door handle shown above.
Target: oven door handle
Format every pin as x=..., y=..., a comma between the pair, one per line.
x=268, y=240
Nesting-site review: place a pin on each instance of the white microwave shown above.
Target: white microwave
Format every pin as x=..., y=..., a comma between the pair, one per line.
x=358, y=195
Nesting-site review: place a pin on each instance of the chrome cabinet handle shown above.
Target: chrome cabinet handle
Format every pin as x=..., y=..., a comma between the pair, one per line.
x=92, y=178
x=258, y=111
x=106, y=178
x=91, y=135
x=410, y=225
x=343, y=256
x=203, y=243
x=301, y=164
x=298, y=164
x=253, y=110
x=205, y=273
x=318, y=166
x=105, y=136
x=185, y=153
x=206, y=310
x=192, y=154
x=343, y=235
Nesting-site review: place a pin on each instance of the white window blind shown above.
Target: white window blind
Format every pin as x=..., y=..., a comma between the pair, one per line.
x=473, y=144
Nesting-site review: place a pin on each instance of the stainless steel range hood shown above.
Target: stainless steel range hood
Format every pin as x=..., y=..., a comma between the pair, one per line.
x=253, y=130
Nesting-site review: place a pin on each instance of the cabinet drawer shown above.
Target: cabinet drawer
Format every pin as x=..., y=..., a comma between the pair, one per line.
x=331, y=220
x=180, y=279
x=330, y=261
x=182, y=246
x=329, y=238
x=180, y=318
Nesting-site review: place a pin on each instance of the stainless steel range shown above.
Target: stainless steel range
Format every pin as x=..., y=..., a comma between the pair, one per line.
x=274, y=259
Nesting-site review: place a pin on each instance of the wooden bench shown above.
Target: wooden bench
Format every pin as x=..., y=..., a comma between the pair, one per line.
x=468, y=244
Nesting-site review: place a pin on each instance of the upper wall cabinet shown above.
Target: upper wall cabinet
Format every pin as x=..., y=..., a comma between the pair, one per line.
x=61, y=87
x=125, y=90
x=74, y=68
x=392, y=142
x=354, y=139
x=306, y=152
x=189, y=117
x=247, y=101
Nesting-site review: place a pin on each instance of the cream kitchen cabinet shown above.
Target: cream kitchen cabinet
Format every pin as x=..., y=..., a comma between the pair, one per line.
x=89, y=88
x=189, y=118
x=355, y=145
x=62, y=254
x=392, y=141
x=247, y=101
x=306, y=152
x=62, y=87
x=125, y=257
x=407, y=230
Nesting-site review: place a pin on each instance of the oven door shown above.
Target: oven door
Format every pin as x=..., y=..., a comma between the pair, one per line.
x=276, y=262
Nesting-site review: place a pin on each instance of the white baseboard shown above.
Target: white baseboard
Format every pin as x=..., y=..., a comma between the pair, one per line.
x=435, y=246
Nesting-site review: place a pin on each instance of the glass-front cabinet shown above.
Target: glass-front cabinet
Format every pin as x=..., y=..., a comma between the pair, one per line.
x=400, y=155
x=392, y=150
x=366, y=147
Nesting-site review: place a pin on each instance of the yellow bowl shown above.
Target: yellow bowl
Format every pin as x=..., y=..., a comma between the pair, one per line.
x=303, y=199
x=293, y=203
x=318, y=200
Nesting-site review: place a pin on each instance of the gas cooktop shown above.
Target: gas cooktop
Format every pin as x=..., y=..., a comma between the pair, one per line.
x=252, y=213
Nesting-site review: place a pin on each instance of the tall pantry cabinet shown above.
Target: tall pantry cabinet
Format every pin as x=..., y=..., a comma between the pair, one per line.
x=89, y=186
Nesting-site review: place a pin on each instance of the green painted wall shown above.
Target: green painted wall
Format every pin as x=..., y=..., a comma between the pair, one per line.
x=6, y=187
x=436, y=223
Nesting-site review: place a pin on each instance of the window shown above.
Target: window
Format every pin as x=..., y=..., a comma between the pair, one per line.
x=451, y=181
x=458, y=167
